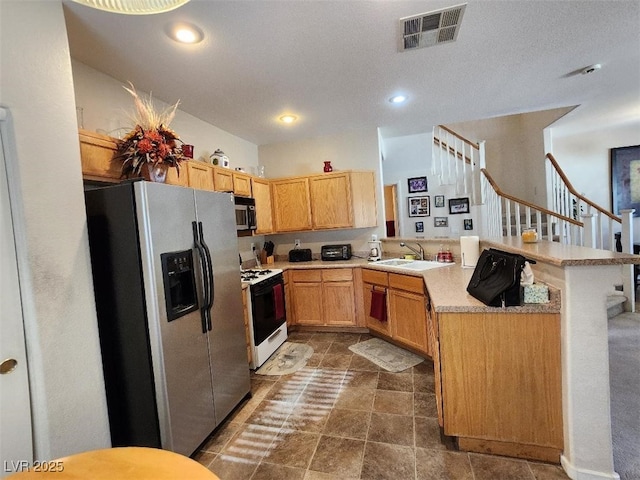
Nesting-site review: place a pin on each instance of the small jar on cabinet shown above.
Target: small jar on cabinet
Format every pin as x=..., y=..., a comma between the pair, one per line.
x=529, y=235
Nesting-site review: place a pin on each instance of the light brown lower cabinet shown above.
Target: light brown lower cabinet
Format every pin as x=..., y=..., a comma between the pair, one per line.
x=323, y=297
x=501, y=382
x=406, y=308
x=375, y=281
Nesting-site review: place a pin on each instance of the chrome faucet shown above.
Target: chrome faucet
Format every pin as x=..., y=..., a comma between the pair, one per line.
x=419, y=253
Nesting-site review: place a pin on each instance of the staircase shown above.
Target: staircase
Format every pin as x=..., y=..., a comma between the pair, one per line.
x=569, y=218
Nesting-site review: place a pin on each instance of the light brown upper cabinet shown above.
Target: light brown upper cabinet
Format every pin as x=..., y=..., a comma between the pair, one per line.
x=331, y=201
x=319, y=202
x=261, y=189
x=291, y=204
x=242, y=184
x=343, y=200
x=200, y=175
x=222, y=179
x=96, y=154
x=182, y=179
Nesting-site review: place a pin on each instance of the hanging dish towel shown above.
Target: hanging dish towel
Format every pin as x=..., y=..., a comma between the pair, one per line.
x=278, y=301
x=378, y=305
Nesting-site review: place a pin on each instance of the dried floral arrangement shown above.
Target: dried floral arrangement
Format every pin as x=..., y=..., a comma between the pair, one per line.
x=151, y=140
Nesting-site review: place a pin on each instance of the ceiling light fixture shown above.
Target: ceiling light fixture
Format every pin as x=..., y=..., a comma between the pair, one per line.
x=133, y=7
x=398, y=99
x=288, y=118
x=184, y=32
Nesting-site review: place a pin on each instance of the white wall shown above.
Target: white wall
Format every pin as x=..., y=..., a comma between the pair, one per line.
x=354, y=150
x=65, y=368
x=106, y=107
x=411, y=156
x=514, y=150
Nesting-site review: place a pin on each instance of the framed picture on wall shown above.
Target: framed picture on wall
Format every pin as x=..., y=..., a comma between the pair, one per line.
x=625, y=179
x=458, y=205
x=419, y=206
x=468, y=224
x=439, y=201
x=417, y=184
x=419, y=227
x=441, y=221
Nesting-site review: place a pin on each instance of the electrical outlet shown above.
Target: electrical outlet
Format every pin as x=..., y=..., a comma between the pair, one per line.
x=297, y=243
x=253, y=246
x=374, y=238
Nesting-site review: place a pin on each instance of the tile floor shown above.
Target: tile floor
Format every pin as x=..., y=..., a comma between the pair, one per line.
x=342, y=417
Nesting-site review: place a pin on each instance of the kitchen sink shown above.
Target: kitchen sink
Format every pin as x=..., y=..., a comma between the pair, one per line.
x=417, y=265
x=394, y=262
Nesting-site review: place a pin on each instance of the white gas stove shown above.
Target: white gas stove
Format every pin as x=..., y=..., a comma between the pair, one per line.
x=266, y=307
x=253, y=276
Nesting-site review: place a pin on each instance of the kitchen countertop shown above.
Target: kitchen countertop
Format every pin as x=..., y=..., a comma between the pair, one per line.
x=561, y=255
x=446, y=286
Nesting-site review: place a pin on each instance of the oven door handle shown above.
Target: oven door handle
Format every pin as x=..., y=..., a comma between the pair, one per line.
x=205, y=277
x=207, y=254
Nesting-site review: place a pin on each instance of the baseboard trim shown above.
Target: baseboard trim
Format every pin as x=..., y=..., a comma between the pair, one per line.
x=510, y=449
x=583, y=474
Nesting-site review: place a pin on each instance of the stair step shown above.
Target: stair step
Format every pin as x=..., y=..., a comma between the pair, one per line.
x=615, y=305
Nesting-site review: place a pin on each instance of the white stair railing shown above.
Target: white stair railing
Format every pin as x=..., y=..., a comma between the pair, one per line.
x=458, y=161
x=508, y=216
x=565, y=200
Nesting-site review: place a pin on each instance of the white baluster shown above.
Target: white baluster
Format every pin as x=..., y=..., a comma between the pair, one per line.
x=433, y=152
x=539, y=223
x=508, y=216
x=628, y=280
x=589, y=231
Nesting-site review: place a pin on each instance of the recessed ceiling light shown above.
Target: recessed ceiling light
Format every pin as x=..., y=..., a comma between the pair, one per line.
x=398, y=99
x=185, y=32
x=288, y=118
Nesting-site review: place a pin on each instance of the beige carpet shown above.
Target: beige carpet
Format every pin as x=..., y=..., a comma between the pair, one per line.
x=624, y=368
x=289, y=358
x=385, y=355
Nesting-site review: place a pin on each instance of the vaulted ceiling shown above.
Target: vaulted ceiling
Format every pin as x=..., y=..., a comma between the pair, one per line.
x=335, y=64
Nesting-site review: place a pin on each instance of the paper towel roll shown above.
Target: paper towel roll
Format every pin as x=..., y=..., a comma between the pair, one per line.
x=470, y=250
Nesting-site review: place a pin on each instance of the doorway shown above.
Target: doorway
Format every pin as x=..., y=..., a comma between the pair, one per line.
x=390, y=210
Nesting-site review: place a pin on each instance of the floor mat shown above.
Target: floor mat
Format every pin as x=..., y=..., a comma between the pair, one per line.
x=289, y=358
x=385, y=355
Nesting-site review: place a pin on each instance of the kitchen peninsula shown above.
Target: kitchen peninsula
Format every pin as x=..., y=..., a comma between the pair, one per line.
x=573, y=338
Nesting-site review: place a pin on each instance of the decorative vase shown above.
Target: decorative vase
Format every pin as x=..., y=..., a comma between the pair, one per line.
x=328, y=167
x=155, y=172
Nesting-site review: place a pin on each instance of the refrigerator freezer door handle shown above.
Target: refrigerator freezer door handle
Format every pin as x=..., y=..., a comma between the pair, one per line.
x=211, y=295
x=205, y=278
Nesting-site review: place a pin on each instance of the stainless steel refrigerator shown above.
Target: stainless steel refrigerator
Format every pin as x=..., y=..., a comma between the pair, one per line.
x=168, y=297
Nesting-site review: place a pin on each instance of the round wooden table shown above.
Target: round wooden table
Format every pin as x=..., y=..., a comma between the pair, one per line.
x=122, y=463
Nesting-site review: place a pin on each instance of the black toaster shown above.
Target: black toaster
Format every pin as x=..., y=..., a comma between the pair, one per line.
x=300, y=255
x=336, y=252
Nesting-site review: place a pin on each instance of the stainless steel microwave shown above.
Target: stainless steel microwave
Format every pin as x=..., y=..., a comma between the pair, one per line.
x=245, y=215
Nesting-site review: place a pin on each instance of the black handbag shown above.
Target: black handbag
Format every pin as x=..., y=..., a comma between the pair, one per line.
x=496, y=278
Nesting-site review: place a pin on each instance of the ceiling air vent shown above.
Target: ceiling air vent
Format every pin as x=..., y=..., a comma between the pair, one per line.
x=429, y=29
